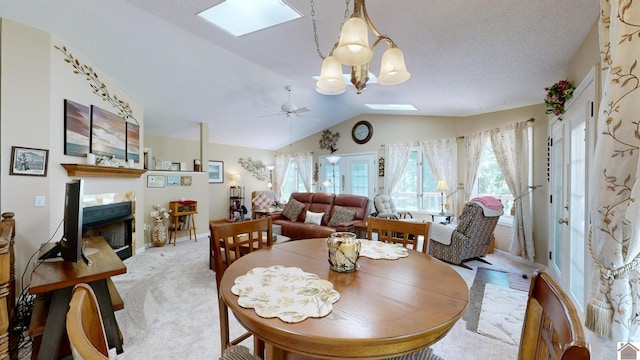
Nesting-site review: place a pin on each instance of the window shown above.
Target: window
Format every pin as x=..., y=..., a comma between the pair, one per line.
x=292, y=181
x=416, y=190
x=491, y=180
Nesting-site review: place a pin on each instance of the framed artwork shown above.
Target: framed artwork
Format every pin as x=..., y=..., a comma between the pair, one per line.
x=28, y=161
x=185, y=180
x=133, y=142
x=155, y=181
x=77, y=129
x=173, y=180
x=175, y=166
x=216, y=171
x=108, y=134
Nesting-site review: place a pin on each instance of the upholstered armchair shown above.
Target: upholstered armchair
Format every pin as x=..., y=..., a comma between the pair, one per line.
x=471, y=238
x=385, y=208
x=262, y=198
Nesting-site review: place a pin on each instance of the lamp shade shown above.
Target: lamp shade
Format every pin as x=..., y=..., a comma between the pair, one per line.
x=333, y=159
x=393, y=71
x=353, y=47
x=331, y=80
x=442, y=185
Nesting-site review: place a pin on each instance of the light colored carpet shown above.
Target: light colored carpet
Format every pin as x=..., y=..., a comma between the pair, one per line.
x=171, y=308
x=502, y=313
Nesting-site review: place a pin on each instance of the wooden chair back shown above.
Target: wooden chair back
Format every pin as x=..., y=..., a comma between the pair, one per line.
x=411, y=234
x=552, y=328
x=230, y=241
x=85, y=327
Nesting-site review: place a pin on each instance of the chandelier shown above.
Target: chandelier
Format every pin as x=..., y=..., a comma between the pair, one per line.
x=353, y=50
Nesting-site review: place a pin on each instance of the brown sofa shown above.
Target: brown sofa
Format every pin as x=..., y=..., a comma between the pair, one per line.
x=326, y=203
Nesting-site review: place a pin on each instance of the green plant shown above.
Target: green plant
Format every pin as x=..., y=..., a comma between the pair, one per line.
x=557, y=95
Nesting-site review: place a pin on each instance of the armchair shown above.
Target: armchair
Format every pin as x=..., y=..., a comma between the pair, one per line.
x=471, y=238
x=385, y=208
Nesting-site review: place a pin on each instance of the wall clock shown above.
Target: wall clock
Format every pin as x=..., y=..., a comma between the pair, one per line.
x=362, y=132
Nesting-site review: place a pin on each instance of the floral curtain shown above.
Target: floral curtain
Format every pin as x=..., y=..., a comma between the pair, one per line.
x=614, y=308
x=511, y=147
x=473, y=147
x=442, y=158
x=397, y=157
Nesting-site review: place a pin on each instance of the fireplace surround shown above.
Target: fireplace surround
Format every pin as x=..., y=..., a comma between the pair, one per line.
x=114, y=222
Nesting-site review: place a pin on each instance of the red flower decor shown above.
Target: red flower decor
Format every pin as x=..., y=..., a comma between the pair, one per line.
x=557, y=95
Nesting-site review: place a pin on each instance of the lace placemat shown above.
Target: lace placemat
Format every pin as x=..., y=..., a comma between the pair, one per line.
x=287, y=293
x=381, y=250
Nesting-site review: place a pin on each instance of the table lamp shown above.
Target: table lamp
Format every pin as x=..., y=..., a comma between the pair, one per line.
x=442, y=186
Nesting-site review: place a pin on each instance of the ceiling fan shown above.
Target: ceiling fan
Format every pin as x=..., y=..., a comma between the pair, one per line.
x=288, y=109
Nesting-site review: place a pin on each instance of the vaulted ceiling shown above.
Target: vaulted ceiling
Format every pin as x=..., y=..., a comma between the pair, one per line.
x=466, y=57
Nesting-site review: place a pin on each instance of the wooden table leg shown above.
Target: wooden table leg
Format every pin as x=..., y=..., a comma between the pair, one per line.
x=55, y=325
x=101, y=290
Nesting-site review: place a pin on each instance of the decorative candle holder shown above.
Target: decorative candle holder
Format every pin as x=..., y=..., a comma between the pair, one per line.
x=344, y=250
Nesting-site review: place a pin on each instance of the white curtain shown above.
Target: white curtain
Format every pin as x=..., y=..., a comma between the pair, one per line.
x=614, y=244
x=280, y=173
x=304, y=162
x=473, y=147
x=511, y=147
x=442, y=158
x=397, y=157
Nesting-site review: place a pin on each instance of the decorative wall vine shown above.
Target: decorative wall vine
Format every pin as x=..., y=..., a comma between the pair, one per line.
x=256, y=167
x=97, y=86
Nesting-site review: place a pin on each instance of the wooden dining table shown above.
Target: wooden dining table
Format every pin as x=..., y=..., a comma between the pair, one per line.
x=386, y=308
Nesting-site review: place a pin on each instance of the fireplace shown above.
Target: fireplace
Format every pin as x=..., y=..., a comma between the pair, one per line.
x=114, y=222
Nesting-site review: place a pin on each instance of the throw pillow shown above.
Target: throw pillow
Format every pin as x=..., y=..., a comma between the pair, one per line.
x=293, y=209
x=341, y=215
x=313, y=218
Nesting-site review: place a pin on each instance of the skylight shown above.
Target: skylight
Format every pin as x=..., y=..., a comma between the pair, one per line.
x=241, y=17
x=400, y=107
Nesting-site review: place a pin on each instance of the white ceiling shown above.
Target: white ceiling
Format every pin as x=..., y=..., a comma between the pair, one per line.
x=466, y=57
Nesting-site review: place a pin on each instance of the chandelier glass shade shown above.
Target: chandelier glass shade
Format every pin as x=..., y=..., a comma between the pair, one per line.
x=353, y=50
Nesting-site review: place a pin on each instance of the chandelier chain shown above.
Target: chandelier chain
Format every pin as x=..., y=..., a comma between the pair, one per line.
x=315, y=29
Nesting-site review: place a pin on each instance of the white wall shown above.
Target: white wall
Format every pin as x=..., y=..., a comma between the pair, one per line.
x=35, y=82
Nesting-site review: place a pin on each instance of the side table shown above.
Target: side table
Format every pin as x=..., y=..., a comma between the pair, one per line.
x=257, y=214
x=186, y=209
x=434, y=215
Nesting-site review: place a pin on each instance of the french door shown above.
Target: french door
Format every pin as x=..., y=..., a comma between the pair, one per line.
x=570, y=152
x=351, y=174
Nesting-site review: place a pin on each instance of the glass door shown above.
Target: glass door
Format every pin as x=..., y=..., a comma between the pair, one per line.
x=350, y=174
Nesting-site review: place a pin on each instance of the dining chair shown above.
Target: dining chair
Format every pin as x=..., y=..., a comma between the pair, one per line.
x=85, y=328
x=411, y=234
x=230, y=241
x=552, y=328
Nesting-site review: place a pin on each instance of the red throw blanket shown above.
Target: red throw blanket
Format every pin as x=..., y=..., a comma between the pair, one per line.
x=489, y=202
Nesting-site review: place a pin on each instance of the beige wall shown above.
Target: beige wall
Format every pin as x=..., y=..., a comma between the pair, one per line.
x=34, y=83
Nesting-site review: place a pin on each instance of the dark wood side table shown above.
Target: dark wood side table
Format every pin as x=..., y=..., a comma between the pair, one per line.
x=56, y=279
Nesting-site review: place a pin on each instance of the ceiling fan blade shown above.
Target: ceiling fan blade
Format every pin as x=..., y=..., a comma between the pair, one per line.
x=300, y=110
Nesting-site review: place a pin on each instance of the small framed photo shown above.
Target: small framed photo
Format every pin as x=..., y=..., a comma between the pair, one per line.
x=175, y=166
x=173, y=180
x=28, y=161
x=185, y=180
x=216, y=171
x=155, y=181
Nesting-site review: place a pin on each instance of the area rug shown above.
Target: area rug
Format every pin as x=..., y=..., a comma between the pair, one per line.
x=502, y=313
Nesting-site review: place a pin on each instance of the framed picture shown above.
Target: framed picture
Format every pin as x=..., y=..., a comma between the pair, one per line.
x=175, y=166
x=173, y=180
x=28, y=161
x=77, y=128
x=108, y=134
x=133, y=142
x=155, y=181
x=216, y=171
x=185, y=180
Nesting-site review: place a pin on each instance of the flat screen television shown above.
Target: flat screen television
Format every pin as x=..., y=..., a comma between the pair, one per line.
x=70, y=246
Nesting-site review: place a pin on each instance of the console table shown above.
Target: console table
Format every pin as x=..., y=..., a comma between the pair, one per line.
x=53, y=281
x=187, y=209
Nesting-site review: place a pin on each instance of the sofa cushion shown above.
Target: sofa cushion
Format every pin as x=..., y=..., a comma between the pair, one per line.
x=293, y=209
x=313, y=218
x=341, y=215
